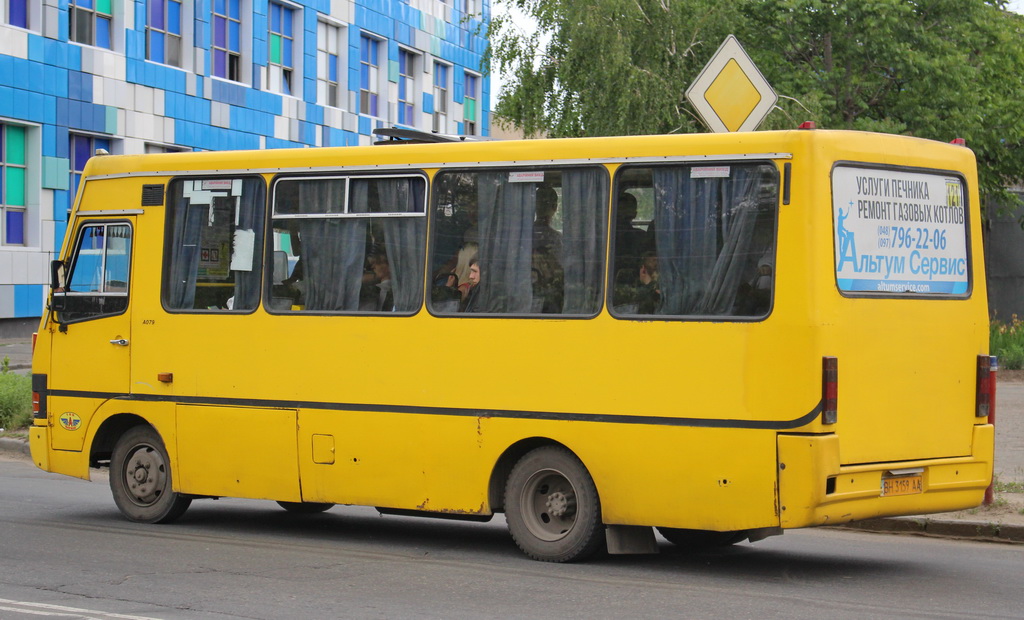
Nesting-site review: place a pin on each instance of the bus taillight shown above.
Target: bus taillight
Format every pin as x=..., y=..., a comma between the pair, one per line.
x=829, y=390
x=38, y=396
x=986, y=396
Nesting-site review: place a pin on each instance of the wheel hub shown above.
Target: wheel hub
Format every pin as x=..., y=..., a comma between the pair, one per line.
x=144, y=475
x=558, y=504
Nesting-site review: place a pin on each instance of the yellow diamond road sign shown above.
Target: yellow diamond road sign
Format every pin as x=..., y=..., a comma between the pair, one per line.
x=730, y=94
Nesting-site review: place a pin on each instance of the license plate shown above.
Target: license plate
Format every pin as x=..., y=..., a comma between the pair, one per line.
x=902, y=485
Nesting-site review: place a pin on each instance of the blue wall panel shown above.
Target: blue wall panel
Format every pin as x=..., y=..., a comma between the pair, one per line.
x=28, y=300
x=48, y=88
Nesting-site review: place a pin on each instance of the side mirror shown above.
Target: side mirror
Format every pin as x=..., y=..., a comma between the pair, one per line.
x=56, y=275
x=57, y=295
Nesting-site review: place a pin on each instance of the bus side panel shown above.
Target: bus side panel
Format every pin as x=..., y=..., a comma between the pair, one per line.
x=701, y=478
x=238, y=452
x=687, y=477
x=412, y=462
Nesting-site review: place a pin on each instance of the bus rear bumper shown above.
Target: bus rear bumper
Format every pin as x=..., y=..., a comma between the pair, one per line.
x=814, y=489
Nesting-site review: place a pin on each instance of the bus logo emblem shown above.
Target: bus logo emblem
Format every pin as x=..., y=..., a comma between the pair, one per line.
x=70, y=421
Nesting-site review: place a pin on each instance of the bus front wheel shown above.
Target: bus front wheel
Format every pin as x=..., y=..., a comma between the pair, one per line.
x=552, y=507
x=140, y=478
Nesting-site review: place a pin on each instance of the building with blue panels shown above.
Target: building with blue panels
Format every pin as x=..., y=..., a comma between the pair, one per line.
x=140, y=76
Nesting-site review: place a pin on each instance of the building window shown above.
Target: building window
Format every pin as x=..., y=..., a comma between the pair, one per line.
x=281, y=43
x=163, y=31
x=18, y=13
x=470, y=109
x=12, y=184
x=406, y=88
x=82, y=148
x=91, y=22
x=369, y=67
x=163, y=148
x=440, y=97
x=227, y=39
x=328, y=64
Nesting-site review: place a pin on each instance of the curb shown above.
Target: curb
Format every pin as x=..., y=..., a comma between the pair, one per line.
x=942, y=528
x=16, y=446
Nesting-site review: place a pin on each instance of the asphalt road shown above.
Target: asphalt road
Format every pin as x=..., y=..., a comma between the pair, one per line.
x=65, y=552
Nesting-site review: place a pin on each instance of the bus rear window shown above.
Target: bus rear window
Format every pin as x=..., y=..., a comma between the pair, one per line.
x=899, y=232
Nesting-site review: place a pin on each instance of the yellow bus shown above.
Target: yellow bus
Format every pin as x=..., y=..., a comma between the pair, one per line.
x=718, y=336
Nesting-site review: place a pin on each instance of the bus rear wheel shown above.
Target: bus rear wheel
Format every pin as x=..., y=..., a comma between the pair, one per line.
x=140, y=478
x=552, y=507
x=305, y=508
x=700, y=540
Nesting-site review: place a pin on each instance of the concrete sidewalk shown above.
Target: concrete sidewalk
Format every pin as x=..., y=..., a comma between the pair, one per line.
x=1001, y=522
x=19, y=353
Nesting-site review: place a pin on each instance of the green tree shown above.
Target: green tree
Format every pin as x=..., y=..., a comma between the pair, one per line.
x=608, y=67
x=939, y=69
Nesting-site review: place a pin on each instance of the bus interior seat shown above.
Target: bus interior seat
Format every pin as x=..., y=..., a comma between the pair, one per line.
x=280, y=266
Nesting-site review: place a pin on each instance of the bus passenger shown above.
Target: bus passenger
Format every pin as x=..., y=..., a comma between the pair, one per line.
x=470, y=299
x=545, y=238
x=382, y=271
x=466, y=254
x=648, y=296
x=630, y=241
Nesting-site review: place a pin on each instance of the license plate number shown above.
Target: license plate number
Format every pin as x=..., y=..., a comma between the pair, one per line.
x=902, y=485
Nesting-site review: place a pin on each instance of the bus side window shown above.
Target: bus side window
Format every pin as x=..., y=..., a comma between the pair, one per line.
x=97, y=284
x=353, y=244
x=214, y=244
x=519, y=241
x=709, y=245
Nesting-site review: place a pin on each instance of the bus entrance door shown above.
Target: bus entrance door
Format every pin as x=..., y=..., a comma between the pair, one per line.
x=90, y=353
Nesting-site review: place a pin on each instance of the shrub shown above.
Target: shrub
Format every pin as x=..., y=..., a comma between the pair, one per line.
x=15, y=398
x=1006, y=340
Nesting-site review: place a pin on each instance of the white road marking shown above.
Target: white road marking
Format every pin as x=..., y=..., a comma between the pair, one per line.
x=60, y=611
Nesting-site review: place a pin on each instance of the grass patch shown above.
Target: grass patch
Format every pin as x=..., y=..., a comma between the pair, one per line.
x=15, y=398
x=1008, y=487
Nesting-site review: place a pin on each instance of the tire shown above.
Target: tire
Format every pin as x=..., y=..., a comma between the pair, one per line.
x=552, y=507
x=140, y=478
x=305, y=508
x=701, y=540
